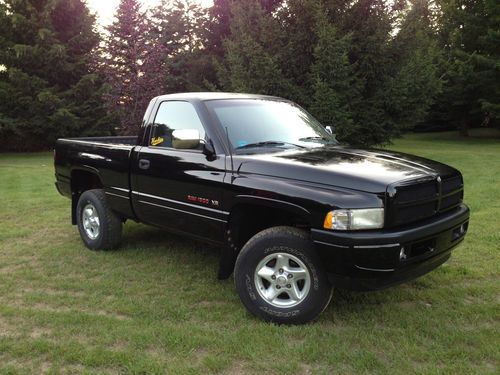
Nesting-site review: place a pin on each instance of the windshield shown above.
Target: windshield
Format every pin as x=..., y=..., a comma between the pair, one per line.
x=260, y=123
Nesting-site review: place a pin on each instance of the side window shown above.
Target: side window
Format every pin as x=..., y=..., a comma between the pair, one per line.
x=172, y=116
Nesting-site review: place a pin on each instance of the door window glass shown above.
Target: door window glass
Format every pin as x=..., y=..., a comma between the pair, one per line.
x=174, y=115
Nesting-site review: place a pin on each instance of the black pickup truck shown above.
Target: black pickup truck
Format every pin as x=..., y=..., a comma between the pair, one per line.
x=294, y=212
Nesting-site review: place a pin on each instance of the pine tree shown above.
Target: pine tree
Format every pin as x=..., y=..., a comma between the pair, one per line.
x=370, y=24
x=298, y=20
x=251, y=53
x=344, y=62
x=389, y=79
x=334, y=85
x=414, y=83
x=368, y=67
x=47, y=87
x=131, y=62
x=220, y=16
x=180, y=26
x=470, y=35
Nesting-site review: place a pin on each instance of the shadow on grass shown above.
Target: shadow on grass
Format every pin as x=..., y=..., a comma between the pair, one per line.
x=140, y=236
x=159, y=244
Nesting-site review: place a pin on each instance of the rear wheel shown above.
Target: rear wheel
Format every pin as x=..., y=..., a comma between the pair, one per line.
x=100, y=228
x=279, y=277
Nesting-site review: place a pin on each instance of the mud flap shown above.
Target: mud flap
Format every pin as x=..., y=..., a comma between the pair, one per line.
x=226, y=262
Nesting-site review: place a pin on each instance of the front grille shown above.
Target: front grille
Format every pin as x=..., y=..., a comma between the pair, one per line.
x=413, y=213
x=417, y=200
x=451, y=184
x=452, y=193
x=451, y=201
x=411, y=193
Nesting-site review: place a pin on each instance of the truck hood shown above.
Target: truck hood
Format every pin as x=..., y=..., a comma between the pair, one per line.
x=365, y=170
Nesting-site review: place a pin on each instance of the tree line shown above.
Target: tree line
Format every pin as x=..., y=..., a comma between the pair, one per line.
x=371, y=68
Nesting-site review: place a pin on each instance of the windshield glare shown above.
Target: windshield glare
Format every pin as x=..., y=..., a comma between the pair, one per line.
x=251, y=121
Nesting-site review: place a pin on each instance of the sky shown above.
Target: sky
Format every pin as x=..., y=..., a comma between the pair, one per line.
x=105, y=9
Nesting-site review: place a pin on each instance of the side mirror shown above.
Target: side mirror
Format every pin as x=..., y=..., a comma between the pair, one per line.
x=185, y=138
x=329, y=129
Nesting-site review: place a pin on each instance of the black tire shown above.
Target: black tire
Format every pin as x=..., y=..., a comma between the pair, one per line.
x=110, y=225
x=283, y=243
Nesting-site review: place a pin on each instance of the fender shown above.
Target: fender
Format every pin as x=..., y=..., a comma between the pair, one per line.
x=271, y=202
x=86, y=168
x=229, y=253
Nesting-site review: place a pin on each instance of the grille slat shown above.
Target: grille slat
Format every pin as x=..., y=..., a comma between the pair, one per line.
x=423, y=199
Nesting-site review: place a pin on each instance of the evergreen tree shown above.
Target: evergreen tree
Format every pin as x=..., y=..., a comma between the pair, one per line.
x=350, y=66
x=132, y=62
x=47, y=88
x=219, y=27
x=380, y=83
x=371, y=68
x=370, y=23
x=298, y=20
x=414, y=82
x=335, y=89
x=470, y=33
x=344, y=61
x=181, y=28
x=251, y=59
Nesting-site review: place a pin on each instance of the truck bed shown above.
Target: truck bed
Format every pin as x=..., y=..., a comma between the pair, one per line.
x=91, y=162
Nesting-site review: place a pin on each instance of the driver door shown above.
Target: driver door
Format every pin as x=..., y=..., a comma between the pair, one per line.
x=179, y=189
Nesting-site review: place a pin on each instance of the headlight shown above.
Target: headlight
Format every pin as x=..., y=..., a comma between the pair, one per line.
x=355, y=219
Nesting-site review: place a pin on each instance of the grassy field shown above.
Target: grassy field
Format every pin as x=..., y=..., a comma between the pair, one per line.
x=155, y=305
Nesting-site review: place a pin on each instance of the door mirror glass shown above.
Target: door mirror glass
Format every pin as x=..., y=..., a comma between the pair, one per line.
x=186, y=138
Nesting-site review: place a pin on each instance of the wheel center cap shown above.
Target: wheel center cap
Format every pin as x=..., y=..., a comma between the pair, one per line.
x=281, y=280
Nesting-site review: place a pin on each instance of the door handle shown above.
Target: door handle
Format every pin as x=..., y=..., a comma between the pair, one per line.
x=144, y=163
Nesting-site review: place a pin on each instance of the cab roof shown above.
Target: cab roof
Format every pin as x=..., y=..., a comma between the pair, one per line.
x=203, y=96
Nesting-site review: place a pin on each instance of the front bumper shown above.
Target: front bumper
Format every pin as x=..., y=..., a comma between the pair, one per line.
x=371, y=260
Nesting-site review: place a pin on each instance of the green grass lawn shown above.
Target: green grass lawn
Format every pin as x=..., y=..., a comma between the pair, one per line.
x=155, y=305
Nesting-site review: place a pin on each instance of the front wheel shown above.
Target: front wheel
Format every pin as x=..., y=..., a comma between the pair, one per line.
x=279, y=277
x=100, y=228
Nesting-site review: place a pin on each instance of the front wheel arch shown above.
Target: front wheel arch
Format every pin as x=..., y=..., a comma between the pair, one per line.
x=248, y=219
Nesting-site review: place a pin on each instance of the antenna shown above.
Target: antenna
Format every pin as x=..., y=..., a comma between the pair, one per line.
x=230, y=151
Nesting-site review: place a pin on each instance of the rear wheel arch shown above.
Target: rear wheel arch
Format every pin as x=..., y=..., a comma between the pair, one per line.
x=82, y=179
x=100, y=228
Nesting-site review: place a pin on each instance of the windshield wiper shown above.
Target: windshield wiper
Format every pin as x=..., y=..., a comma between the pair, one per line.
x=267, y=143
x=313, y=138
x=318, y=138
